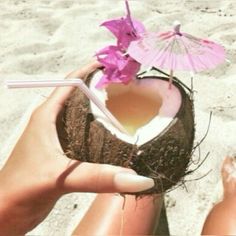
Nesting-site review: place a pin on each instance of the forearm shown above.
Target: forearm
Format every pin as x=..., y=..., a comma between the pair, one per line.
x=12, y=217
x=18, y=218
x=22, y=207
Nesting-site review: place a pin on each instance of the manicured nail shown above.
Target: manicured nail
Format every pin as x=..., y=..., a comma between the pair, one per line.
x=127, y=182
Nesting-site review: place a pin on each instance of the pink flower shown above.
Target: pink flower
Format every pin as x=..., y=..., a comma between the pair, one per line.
x=125, y=29
x=118, y=68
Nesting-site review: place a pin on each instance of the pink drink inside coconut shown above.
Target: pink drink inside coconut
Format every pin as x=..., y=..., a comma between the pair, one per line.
x=144, y=107
x=132, y=108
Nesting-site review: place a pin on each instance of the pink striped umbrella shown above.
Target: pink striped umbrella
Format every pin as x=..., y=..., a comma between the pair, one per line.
x=175, y=50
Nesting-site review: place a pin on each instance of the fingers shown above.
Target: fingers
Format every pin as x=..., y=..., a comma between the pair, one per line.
x=83, y=72
x=57, y=99
x=228, y=169
x=228, y=173
x=102, y=178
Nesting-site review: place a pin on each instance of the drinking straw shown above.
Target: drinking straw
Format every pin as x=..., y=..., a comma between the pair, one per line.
x=13, y=84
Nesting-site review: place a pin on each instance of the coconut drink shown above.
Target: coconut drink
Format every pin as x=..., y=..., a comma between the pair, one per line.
x=156, y=112
x=120, y=116
x=159, y=123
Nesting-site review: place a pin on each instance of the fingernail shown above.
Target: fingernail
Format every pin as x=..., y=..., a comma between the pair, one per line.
x=127, y=182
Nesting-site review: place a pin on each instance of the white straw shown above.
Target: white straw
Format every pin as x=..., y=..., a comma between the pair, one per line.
x=13, y=84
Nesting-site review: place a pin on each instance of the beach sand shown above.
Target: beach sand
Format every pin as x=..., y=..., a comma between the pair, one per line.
x=48, y=39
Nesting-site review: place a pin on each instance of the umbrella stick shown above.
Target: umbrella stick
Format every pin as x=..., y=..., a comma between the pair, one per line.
x=174, y=78
x=171, y=78
x=70, y=82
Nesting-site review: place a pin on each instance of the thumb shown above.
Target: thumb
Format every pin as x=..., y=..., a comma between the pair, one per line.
x=101, y=178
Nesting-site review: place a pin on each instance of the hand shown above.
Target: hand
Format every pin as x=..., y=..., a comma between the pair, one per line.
x=38, y=173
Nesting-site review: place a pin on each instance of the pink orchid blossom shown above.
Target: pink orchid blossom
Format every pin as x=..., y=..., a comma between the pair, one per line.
x=118, y=68
x=125, y=29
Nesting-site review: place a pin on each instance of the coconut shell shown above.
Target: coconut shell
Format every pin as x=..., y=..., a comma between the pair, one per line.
x=165, y=158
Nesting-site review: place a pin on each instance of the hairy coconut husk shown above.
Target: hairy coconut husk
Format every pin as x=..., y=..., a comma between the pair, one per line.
x=164, y=158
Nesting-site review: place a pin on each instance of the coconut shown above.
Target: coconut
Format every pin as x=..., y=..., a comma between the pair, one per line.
x=160, y=128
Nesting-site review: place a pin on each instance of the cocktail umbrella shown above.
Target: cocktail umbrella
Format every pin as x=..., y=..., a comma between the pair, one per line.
x=175, y=50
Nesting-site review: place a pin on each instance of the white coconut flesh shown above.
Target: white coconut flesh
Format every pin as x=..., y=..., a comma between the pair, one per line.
x=145, y=107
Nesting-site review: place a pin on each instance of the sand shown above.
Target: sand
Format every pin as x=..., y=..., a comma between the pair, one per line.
x=47, y=39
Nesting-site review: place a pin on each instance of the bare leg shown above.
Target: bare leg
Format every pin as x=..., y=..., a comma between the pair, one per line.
x=222, y=218
x=108, y=215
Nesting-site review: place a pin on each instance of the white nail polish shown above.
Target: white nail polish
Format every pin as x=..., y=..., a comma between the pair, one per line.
x=127, y=182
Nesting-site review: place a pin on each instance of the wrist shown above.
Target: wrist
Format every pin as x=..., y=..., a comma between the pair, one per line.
x=23, y=203
x=7, y=209
x=5, y=194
